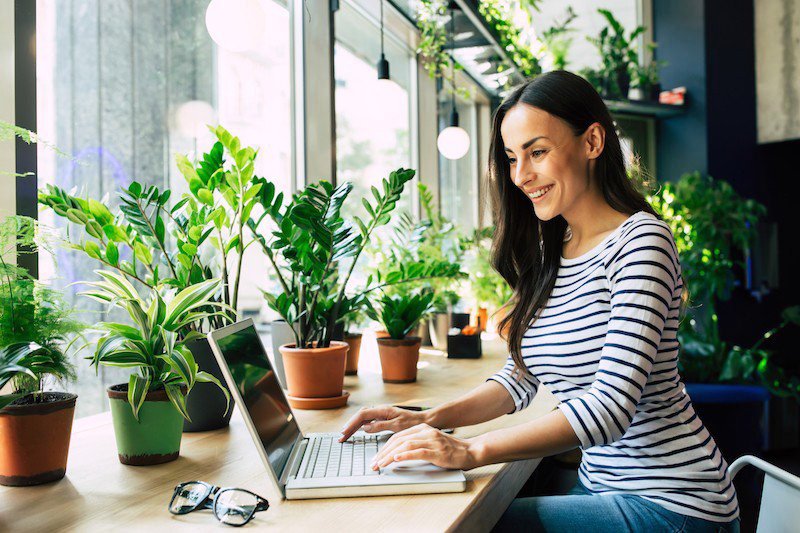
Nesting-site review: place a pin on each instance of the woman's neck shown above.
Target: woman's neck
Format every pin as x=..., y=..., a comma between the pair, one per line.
x=592, y=219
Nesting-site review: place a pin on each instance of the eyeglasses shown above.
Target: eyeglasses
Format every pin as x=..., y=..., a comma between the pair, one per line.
x=231, y=506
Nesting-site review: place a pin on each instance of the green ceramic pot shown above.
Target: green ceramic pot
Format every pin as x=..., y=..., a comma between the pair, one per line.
x=153, y=439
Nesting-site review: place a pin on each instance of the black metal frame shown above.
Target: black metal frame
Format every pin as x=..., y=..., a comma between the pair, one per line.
x=25, y=113
x=210, y=498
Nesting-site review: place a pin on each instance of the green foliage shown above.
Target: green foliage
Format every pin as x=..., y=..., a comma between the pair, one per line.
x=35, y=323
x=646, y=76
x=431, y=16
x=154, y=345
x=164, y=241
x=499, y=17
x=311, y=244
x=487, y=287
x=10, y=131
x=400, y=313
x=617, y=53
x=711, y=224
x=557, y=40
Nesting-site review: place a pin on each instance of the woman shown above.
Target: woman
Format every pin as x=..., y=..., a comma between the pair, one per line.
x=597, y=296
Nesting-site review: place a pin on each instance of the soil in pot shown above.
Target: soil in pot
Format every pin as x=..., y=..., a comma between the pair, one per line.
x=353, y=340
x=315, y=372
x=206, y=403
x=399, y=359
x=34, y=438
x=153, y=439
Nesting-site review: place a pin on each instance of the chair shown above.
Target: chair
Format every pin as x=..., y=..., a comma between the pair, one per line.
x=780, y=497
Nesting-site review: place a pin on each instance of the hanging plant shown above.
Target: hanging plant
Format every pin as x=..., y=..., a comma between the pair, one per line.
x=498, y=15
x=431, y=16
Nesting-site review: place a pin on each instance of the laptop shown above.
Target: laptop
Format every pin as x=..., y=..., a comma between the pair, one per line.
x=315, y=465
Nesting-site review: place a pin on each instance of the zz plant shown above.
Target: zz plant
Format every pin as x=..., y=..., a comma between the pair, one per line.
x=153, y=345
x=400, y=314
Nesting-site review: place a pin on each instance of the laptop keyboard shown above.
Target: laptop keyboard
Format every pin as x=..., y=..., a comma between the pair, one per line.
x=330, y=458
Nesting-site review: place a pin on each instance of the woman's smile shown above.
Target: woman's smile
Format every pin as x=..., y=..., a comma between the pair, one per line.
x=538, y=195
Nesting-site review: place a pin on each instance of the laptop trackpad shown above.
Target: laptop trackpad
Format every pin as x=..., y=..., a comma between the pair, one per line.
x=414, y=466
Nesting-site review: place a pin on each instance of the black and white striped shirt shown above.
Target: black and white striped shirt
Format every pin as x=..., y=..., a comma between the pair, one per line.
x=606, y=346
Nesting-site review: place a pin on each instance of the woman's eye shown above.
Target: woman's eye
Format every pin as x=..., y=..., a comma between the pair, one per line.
x=511, y=161
x=538, y=153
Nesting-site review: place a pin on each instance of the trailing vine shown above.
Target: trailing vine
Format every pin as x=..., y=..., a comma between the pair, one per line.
x=497, y=13
x=431, y=16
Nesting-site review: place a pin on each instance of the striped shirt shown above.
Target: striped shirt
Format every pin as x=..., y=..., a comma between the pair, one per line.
x=606, y=345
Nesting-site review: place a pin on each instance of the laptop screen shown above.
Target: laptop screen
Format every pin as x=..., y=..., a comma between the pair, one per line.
x=262, y=394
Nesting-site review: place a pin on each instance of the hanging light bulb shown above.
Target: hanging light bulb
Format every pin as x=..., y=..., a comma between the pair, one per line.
x=385, y=83
x=235, y=25
x=453, y=141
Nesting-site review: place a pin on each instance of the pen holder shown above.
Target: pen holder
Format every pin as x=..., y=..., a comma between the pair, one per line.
x=464, y=346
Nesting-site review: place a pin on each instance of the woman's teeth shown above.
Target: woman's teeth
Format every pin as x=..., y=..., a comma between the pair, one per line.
x=540, y=192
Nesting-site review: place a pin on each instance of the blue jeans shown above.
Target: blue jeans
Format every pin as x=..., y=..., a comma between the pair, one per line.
x=583, y=512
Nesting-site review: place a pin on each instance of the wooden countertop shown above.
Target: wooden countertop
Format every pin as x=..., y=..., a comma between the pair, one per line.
x=100, y=494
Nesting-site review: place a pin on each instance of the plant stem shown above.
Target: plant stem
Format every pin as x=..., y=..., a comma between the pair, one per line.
x=158, y=241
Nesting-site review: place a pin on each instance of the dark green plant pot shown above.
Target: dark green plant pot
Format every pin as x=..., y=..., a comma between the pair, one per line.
x=206, y=402
x=153, y=439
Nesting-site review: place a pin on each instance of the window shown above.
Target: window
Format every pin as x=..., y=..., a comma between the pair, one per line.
x=458, y=179
x=124, y=86
x=373, y=120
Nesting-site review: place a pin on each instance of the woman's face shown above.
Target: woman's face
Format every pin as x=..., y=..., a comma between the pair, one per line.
x=547, y=161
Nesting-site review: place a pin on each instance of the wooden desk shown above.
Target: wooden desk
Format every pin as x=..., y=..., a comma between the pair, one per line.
x=100, y=494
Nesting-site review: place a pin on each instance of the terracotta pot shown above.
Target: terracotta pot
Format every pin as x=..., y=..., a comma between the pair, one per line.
x=353, y=341
x=315, y=372
x=399, y=359
x=34, y=440
x=382, y=334
x=481, y=318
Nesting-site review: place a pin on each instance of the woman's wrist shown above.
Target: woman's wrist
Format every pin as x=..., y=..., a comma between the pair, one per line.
x=430, y=417
x=478, y=452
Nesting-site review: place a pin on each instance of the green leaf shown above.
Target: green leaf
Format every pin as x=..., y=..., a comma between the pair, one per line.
x=92, y=249
x=177, y=398
x=206, y=196
x=137, y=391
x=112, y=253
x=142, y=253
x=189, y=249
x=205, y=377
x=135, y=188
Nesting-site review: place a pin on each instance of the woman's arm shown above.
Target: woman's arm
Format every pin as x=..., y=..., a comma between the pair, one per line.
x=544, y=436
x=486, y=402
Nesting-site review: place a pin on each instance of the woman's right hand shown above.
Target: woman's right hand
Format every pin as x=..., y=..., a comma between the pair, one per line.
x=382, y=418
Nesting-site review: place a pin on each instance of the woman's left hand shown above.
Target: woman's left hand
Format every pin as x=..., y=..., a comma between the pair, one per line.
x=423, y=442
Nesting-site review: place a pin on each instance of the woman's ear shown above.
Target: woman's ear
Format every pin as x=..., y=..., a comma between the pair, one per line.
x=595, y=140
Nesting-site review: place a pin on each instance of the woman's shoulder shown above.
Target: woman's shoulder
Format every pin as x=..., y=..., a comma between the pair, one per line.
x=644, y=233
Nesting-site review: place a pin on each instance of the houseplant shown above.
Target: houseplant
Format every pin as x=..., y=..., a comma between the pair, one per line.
x=617, y=53
x=310, y=249
x=556, y=40
x=148, y=411
x=488, y=290
x=35, y=323
x=645, y=78
x=156, y=242
x=400, y=315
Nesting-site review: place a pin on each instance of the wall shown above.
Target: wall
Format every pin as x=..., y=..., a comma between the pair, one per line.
x=678, y=28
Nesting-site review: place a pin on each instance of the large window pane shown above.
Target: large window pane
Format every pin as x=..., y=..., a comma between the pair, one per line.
x=124, y=86
x=458, y=179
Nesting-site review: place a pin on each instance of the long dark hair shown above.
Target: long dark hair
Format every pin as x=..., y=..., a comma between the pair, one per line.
x=527, y=251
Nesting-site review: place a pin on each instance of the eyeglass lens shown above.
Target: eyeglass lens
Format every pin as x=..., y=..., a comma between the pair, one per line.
x=188, y=498
x=235, y=507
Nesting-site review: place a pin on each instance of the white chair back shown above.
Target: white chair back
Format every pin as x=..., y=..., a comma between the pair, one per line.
x=780, y=497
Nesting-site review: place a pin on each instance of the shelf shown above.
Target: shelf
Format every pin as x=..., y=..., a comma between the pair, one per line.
x=637, y=108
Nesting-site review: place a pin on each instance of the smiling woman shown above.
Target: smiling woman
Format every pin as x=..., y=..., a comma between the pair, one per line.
x=593, y=319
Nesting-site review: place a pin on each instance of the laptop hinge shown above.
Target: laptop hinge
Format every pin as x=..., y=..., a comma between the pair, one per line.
x=293, y=464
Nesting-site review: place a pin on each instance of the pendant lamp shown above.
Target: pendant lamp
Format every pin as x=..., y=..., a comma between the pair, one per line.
x=384, y=80
x=453, y=141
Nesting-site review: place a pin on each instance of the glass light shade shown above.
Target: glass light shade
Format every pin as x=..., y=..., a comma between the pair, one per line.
x=453, y=142
x=235, y=25
x=193, y=117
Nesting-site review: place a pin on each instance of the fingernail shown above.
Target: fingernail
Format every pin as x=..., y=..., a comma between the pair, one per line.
x=366, y=426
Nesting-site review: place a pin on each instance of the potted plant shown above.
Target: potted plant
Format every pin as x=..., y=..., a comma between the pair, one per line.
x=400, y=315
x=617, y=53
x=487, y=288
x=308, y=250
x=202, y=236
x=149, y=410
x=712, y=226
x=35, y=323
x=645, y=78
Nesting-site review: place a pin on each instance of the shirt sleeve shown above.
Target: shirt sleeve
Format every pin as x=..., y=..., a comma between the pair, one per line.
x=522, y=391
x=642, y=275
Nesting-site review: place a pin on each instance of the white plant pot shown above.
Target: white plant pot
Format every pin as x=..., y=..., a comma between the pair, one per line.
x=281, y=334
x=635, y=93
x=439, y=326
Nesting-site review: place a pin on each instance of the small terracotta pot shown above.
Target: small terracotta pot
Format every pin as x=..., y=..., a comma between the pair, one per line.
x=399, y=359
x=34, y=440
x=315, y=372
x=481, y=318
x=381, y=334
x=353, y=340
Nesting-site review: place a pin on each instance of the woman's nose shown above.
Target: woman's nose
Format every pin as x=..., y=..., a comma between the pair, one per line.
x=524, y=174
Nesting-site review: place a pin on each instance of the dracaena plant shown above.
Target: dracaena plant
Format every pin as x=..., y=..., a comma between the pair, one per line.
x=35, y=322
x=314, y=252
x=199, y=237
x=400, y=314
x=153, y=344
